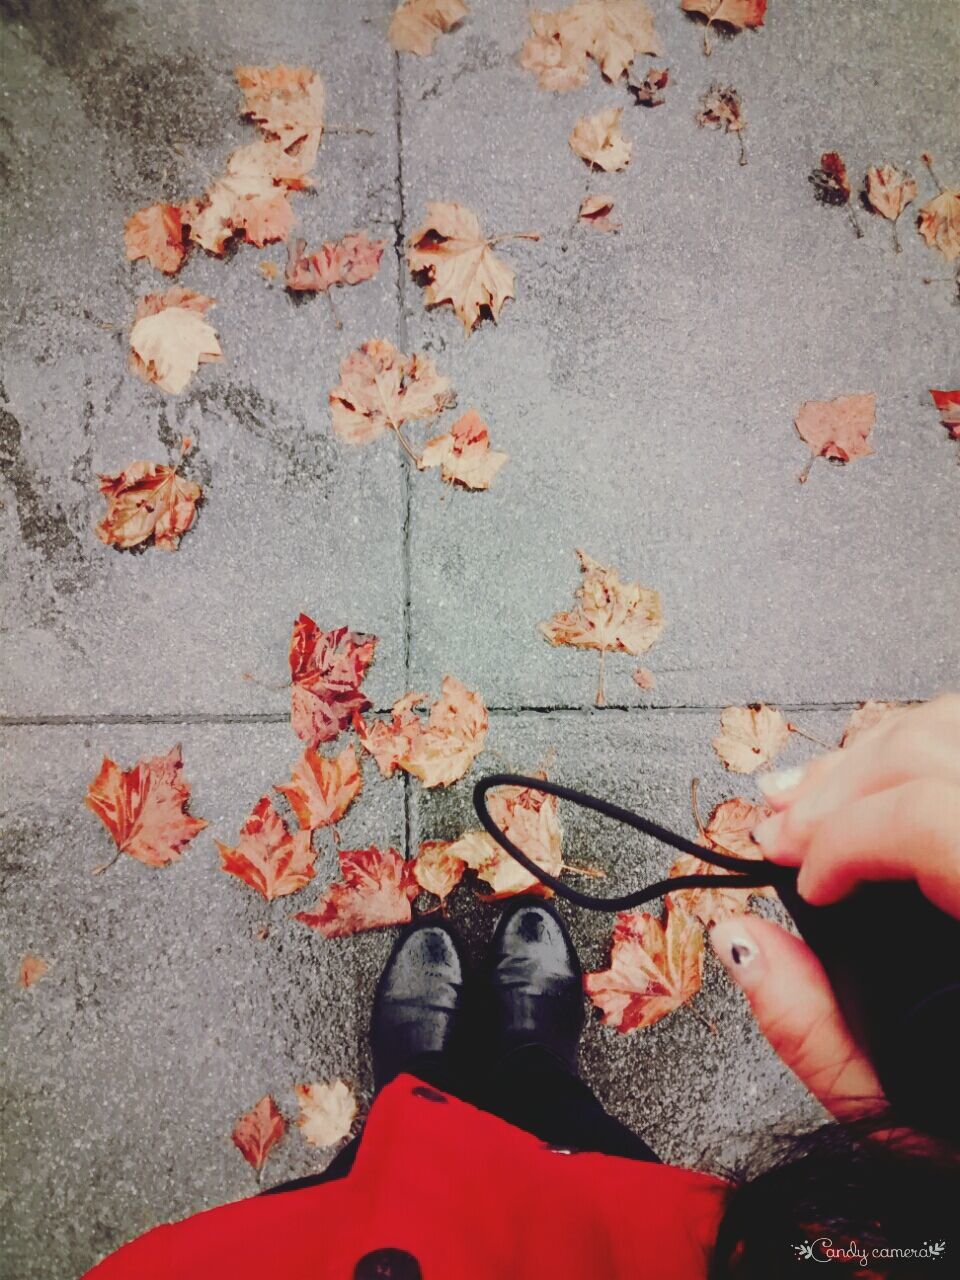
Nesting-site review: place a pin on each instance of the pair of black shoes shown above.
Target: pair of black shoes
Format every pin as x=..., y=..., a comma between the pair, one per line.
x=431, y=1020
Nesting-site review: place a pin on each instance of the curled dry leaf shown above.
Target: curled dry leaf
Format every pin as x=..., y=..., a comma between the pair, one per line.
x=248, y=205
x=157, y=234
x=530, y=819
x=644, y=679
x=32, y=969
x=439, y=749
x=458, y=265
x=728, y=830
x=831, y=185
x=375, y=891
x=382, y=390
x=286, y=102
x=837, y=429
x=327, y=1112
x=598, y=140
x=612, y=32
x=948, y=404
x=735, y=14
x=595, y=211
x=267, y=857
x=655, y=967
x=750, y=737
x=322, y=788
x=611, y=615
x=327, y=669
x=463, y=453
x=147, y=500
x=865, y=717
x=170, y=338
x=721, y=108
x=416, y=24
x=437, y=870
x=351, y=260
x=889, y=190
x=649, y=91
x=144, y=808
x=258, y=1131
x=939, y=223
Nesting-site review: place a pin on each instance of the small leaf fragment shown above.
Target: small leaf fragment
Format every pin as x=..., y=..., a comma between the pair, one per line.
x=32, y=969
x=721, y=108
x=649, y=91
x=595, y=211
x=644, y=678
x=258, y=1131
x=327, y=1112
x=948, y=405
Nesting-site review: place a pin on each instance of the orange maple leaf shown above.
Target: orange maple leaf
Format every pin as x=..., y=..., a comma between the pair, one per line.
x=655, y=967
x=865, y=717
x=376, y=890
x=258, y=1131
x=416, y=24
x=888, y=192
x=612, y=32
x=938, y=221
x=437, y=870
x=438, y=750
x=611, y=615
x=32, y=969
x=750, y=737
x=157, y=234
x=144, y=808
x=147, y=500
x=327, y=669
x=735, y=14
x=286, y=102
x=351, y=260
x=597, y=140
x=170, y=338
x=322, y=788
x=463, y=453
x=948, y=403
x=837, y=429
x=728, y=830
x=267, y=857
x=530, y=819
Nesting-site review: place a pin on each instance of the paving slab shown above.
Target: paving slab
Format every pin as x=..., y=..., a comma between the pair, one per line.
x=108, y=108
x=645, y=384
x=163, y=1016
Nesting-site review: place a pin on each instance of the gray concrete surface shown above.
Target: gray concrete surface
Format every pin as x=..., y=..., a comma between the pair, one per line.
x=644, y=386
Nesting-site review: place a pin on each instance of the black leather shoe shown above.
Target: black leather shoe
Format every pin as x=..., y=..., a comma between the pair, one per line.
x=534, y=986
x=417, y=1004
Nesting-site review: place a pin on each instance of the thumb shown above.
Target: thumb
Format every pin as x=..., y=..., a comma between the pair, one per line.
x=792, y=1000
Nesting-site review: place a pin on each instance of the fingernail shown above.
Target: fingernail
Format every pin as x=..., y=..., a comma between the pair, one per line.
x=768, y=833
x=737, y=951
x=774, y=784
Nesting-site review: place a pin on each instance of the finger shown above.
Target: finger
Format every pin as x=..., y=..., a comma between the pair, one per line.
x=911, y=832
x=796, y=1010
x=782, y=788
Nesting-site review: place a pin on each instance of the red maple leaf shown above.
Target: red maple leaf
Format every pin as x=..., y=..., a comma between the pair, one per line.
x=327, y=668
x=376, y=890
x=258, y=1131
x=267, y=857
x=143, y=808
x=948, y=402
x=322, y=788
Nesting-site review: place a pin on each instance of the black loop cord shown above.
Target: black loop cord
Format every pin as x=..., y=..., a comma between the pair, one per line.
x=749, y=875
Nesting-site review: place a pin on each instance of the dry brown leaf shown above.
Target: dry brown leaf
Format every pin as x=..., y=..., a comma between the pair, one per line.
x=381, y=390
x=327, y=1112
x=612, y=615
x=266, y=158
x=32, y=969
x=948, y=404
x=437, y=870
x=322, y=788
x=156, y=233
x=258, y=1131
x=728, y=830
x=735, y=14
x=286, y=102
x=598, y=140
x=530, y=819
x=267, y=857
x=351, y=260
x=865, y=717
x=439, y=749
x=649, y=91
x=750, y=737
x=170, y=338
x=463, y=453
x=721, y=108
x=612, y=32
x=595, y=212
x=254, y=207
x=147, y=500
x=416, y=24
x=939, y=223
x=654, y=969
x=457, y=265
x=837, y=429
x=889, y=190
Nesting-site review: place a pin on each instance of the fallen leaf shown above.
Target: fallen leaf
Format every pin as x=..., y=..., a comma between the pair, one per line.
x=598, y=140
x=269, y=270
x=170, y=338
x=381, y=390
x=258, y=1131
x=865, y=717
x=144, y=808
x=889, y=190
x=156, y=233
x=32, y=969
x=439, y=749
x=730, y=825
x=735, y=14
x=266, y=158
x=595, y=212
x=948, y=403
x=649, y=91
x=375, y=890
x=286, y=102
x=327, y=1112
x=416, y=24
x=612, y=32
x=322, y=788
x=463, y=453
x=437, y=870
x=530, y=819
x=351, y=260
x=728, y=831
x=830, y=182
x=250, y=206
x=721, y=108
x=837, y=429
x=147, y=500
x=654, y=969
x=939, y=223
x=267, y=857
x=458, y=265
x=750, y=737
x=612, y=615
x=644, y=679
x=327, y=669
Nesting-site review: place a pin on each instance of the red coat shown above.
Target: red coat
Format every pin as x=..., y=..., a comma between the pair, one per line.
x=464, y=1193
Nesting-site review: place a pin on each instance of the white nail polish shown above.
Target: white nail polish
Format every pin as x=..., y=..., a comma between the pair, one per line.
x=774, y=784
x=738, y=952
